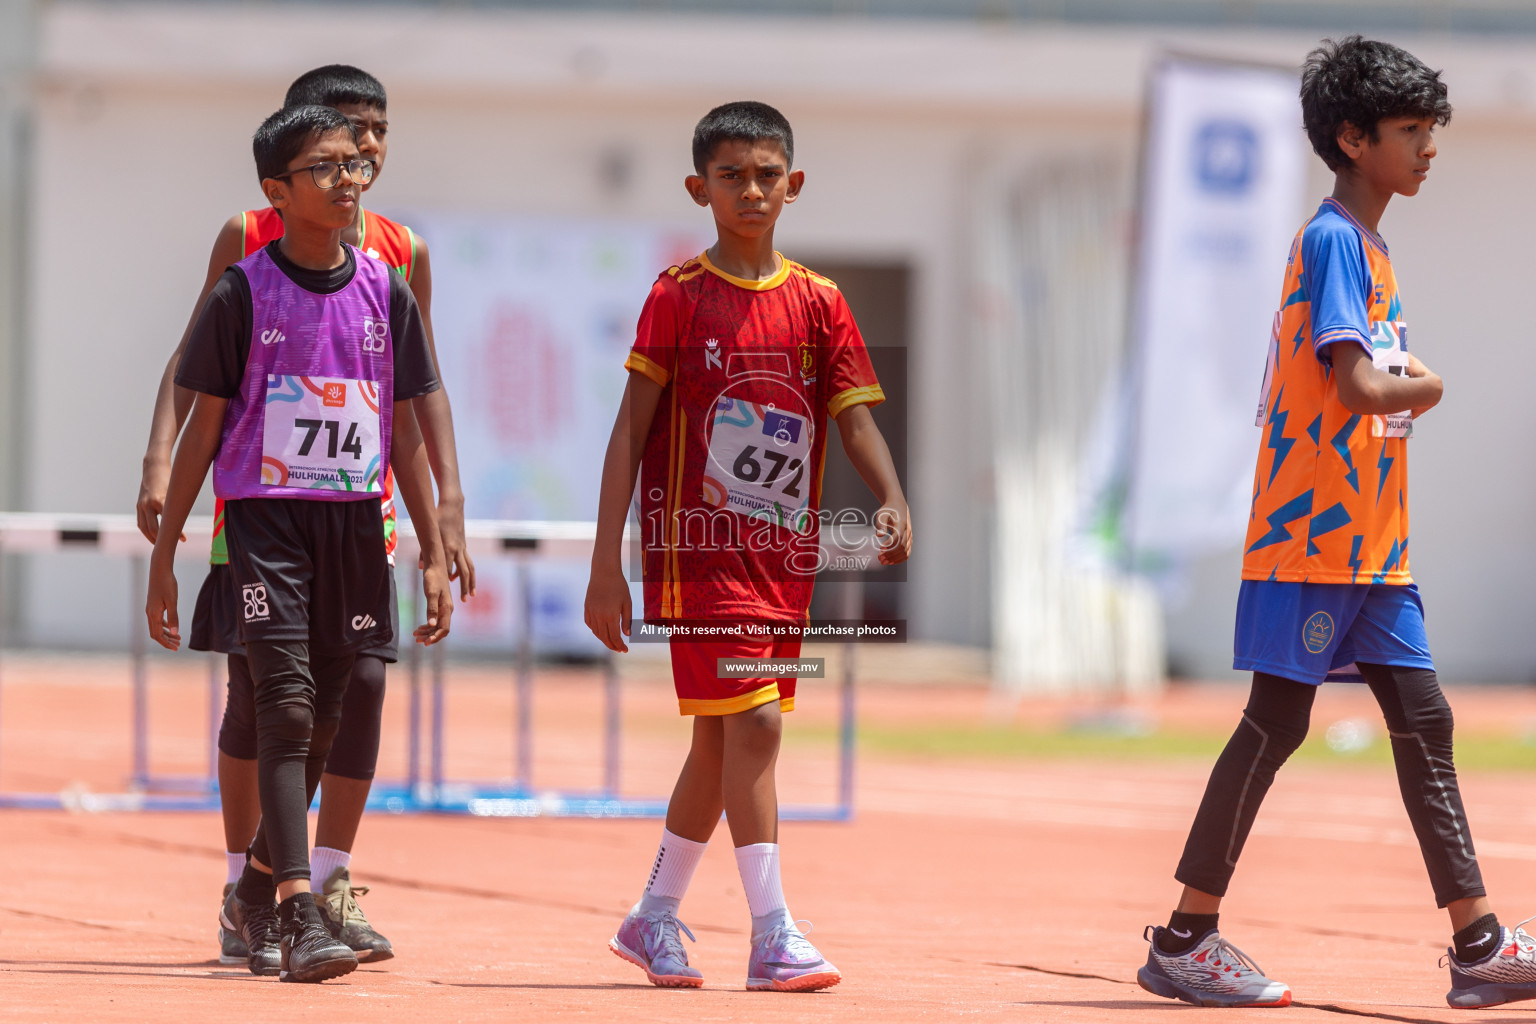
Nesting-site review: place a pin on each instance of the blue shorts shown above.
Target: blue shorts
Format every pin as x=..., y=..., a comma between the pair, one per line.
x=1310, y=632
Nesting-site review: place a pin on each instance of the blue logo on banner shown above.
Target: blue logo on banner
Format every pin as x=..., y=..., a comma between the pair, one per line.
x=1226, y=157
x=782, y=428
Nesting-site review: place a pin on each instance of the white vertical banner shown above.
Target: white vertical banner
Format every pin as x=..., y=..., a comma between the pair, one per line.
x=533, y=318
x=1223, y=182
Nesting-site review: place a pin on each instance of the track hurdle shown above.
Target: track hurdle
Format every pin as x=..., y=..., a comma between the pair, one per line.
x=525, y=542
x=118, y=536
x=428, y=790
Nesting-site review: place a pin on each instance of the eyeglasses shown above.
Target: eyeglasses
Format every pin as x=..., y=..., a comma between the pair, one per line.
x=327, y=173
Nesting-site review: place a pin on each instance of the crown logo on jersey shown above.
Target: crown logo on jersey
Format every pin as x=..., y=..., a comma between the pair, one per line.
x=712, y=353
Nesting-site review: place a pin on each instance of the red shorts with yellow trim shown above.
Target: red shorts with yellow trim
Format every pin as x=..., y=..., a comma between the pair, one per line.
x=701, y=691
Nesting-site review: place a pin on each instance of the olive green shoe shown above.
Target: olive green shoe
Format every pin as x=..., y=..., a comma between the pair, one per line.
x=345, y=919
x=232, y=949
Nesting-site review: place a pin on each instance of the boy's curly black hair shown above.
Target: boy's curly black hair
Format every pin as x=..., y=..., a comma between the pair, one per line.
x=1362, y=81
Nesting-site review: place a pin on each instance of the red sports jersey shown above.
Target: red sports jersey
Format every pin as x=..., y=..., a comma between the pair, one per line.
x=383, y=239
x=730, y=482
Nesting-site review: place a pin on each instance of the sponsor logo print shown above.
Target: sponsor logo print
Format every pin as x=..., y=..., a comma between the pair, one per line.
x=375, y=335
x=363, y=622
x=255, y=595
x=1317, y=634
x=335, y=394
x=712, y=354
x=271, y=336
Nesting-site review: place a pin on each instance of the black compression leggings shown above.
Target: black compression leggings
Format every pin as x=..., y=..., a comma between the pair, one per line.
x=298, y=706
x=355, y=751
x=1274, y=724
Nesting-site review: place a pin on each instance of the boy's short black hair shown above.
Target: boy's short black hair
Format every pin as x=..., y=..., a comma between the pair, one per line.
x=1363, y=81
x=284, y=135
x=742, y=121
x=336, y=83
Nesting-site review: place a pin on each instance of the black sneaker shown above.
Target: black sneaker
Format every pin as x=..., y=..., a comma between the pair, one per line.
x=232, y=950
x=344, y=918
x=256, y=929
x=309, y=953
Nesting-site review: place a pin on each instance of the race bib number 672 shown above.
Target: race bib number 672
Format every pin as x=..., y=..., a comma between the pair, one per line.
x=760, y=463
x=322, y=433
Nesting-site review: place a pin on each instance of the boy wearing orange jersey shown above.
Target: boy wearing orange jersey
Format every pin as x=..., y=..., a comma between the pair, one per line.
x=1326, y=591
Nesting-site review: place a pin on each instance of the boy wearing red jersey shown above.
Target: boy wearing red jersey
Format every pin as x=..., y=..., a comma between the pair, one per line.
x=740, y=355
x=353, y=758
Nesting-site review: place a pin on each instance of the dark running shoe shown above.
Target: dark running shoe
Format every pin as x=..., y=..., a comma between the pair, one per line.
x=344, y=918
x=256, y=930
x=309, y=953
x=232, y=951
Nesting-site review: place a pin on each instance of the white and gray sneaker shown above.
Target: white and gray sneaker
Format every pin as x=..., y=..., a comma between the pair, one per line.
x=1212, y=972
x=1506, y=975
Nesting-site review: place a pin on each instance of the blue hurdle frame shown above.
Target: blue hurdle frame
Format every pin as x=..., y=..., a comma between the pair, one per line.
x=417, y=793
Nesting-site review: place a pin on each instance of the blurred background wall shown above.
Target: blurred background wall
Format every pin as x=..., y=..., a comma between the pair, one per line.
x=919, y=136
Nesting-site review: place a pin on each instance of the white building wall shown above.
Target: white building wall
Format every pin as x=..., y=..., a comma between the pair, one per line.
x=143, y=149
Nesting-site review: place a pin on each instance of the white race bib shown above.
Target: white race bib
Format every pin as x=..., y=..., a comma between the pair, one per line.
x=1389, y=352
x=321, y=432
x=1270, y=363
x=759, y=463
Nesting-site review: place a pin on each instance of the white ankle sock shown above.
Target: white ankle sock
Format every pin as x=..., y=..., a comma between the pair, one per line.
x=676, y=860
x=322, y=861
x=234, y=865
x=759, y=867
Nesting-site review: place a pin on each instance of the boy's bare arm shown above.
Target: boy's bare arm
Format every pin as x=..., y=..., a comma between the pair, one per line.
x=408, y=456
x=608, y=608
x=172, y=403
x=869, y=454
x=441, y=449
x=435, y=419
x=1367, y=391
x=199, y=444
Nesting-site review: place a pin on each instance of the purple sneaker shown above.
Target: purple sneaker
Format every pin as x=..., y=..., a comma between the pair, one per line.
x=651, y=942
x=785, y=961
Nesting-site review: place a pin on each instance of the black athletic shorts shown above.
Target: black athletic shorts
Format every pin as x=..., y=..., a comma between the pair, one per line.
x=313, y=571
x=216, y=622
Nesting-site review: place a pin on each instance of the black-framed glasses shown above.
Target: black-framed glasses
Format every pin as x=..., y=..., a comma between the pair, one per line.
x=327, y=173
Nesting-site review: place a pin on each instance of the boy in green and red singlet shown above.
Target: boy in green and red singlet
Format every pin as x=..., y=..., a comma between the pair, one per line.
x=350, y=767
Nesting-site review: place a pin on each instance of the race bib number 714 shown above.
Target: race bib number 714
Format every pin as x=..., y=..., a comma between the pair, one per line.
x=322, y=433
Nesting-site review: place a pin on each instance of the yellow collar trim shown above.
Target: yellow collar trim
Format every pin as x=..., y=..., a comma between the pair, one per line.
x=742, y=282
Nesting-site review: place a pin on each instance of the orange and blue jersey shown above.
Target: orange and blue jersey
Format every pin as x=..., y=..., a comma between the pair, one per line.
x=1330, y=490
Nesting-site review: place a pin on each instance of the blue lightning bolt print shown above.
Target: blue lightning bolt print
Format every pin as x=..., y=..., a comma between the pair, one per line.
x=1325, y=522
x=1279, y=532
x=1354, y=556
x=1340, y=444
x=1278, y=442
x=1390, y=564
x=1384, y=464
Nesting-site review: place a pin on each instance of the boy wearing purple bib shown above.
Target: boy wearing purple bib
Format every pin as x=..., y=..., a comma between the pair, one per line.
x=298, y=360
